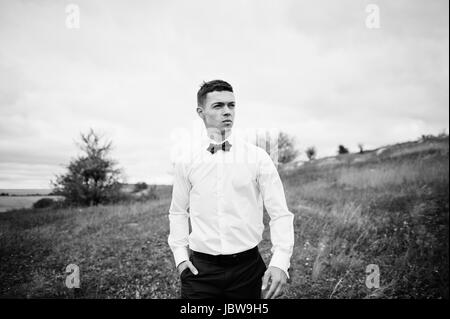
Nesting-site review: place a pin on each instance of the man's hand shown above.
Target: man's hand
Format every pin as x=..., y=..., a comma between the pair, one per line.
x=187, y=264
x=278, y=280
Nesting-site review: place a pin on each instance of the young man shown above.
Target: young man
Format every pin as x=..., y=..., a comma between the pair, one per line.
x=221, y=188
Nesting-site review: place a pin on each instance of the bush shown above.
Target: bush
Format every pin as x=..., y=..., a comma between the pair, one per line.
x=139, y=187
x=44, y=203
x=150, y=193
x=311, y=153
x=342, y=150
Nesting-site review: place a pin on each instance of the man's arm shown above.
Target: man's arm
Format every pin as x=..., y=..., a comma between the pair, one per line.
x=281, y=219
x=178, y=215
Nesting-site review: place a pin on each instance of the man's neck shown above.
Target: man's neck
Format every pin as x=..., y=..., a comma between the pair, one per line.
x=218, y=136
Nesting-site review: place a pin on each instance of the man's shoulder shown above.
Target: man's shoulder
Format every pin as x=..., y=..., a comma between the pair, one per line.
x=190, y=152
x=248, y=151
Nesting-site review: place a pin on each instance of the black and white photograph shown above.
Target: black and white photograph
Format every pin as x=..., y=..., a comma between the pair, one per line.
x=224, y=150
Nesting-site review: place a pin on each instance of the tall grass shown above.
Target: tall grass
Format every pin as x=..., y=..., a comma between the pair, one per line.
x=393, y=214
x=394, y=173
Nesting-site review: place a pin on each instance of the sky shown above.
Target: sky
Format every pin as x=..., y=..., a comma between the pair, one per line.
x=326, y=72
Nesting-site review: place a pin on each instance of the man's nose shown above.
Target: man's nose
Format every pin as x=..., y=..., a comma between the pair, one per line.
x=226, y=110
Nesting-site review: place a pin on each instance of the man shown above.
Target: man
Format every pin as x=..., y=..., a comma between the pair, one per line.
x=222, y=195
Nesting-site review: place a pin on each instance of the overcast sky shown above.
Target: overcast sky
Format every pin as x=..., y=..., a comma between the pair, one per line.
x=132, y=69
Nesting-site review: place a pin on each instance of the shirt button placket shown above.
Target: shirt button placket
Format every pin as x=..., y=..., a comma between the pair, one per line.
x=220, y=194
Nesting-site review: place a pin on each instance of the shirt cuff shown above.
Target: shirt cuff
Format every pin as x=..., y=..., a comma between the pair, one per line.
x=281, y=260
x=180, y=254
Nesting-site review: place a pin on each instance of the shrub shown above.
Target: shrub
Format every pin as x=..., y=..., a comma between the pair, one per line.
x=44, y=203
x=342, y=150
x=139, y=187
x=311, y=152
x=150, y=193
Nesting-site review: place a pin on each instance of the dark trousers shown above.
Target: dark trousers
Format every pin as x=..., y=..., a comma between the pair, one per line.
x=224, y=277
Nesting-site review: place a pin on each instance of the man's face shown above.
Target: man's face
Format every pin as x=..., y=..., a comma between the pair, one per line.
x=218, y=110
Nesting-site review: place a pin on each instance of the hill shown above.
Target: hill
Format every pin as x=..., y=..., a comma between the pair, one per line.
x=423, y=146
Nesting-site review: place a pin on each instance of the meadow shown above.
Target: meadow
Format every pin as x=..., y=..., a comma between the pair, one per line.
x=390, y=211
x=21, y=198
x=17, y=202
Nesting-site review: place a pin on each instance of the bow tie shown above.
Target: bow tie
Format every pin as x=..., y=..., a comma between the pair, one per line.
x=225, y=146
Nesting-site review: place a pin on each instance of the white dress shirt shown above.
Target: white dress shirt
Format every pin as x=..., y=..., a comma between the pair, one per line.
x=223, y=195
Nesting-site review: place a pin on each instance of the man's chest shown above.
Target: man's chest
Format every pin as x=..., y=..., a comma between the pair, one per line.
x=216, y=176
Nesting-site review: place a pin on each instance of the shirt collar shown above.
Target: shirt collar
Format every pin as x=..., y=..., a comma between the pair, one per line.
x=207, y=140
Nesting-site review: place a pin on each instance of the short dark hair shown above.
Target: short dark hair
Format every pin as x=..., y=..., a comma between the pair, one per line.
x=211, y=86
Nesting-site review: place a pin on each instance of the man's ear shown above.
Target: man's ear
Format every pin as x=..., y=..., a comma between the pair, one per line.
x=200, y=112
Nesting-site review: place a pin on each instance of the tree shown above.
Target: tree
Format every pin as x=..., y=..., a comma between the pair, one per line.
x=92, y=177
x=286, y=148
x=342, y=150
x=282, y=148
x=361, y=148
x=311, y=152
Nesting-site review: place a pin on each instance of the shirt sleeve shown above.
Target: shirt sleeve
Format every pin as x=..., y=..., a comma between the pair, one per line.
x=281, y=219
x=178, y=215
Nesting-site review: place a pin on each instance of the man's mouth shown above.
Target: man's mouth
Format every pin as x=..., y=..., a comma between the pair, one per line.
x=226, y=121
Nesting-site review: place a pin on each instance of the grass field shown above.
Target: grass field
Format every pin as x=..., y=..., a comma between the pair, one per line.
x=22, y=198
x=18, y=202
x=391, y=211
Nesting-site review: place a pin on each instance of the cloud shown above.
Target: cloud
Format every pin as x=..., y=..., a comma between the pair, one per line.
x=132, y=72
